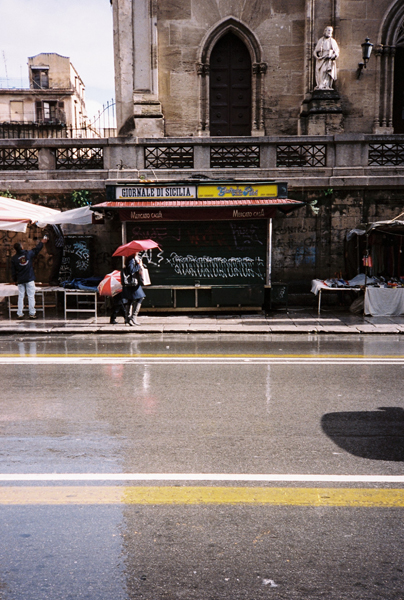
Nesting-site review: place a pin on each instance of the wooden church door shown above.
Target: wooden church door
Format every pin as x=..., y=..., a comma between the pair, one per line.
x=230, y=88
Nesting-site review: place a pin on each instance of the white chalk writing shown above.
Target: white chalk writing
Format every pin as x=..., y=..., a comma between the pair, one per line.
x=216, y=267
x=246, y=234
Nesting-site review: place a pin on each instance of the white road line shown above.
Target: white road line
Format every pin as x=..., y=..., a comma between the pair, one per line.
x=221, y=477
x=28, y=360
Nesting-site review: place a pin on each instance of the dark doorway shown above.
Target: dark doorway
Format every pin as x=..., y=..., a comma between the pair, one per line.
x=230, y=88
x=398, y=102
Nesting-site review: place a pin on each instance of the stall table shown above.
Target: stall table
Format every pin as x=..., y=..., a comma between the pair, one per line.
x=81, y=297
x=384, y=302
x=9, y=290
x=318, y=286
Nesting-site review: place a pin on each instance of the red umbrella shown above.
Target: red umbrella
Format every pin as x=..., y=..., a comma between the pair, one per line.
x=135, y=246
x=111, y=284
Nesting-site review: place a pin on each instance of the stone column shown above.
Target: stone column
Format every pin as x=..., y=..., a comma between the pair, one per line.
x=123, y=61
x=263, y=70
x=258, y=93
x=255, y=75
x=391, y=75
x=386, y=91
x=385, y=86
x=136, y=82
x=203, y=77
x=376, y=120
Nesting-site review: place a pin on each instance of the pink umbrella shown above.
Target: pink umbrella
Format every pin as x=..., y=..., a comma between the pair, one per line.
x=111, y=284
x=135, y=246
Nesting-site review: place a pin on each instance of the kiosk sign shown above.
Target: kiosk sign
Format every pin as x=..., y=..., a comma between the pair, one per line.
x=238, y=191
x=157, y=192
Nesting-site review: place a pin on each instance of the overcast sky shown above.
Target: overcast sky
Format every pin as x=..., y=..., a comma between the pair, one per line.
x=80, y=29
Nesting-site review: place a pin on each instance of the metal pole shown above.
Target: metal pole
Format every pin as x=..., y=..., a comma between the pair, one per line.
x=123, y=229
x=269, y=253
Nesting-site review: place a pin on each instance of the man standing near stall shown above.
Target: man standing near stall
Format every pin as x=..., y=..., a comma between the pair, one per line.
x=22, y=271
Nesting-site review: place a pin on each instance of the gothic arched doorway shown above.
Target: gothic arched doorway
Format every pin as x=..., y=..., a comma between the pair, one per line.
x=230, y=88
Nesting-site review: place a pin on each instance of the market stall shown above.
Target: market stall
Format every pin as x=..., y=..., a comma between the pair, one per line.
x=16, y=215
x=379, y=250
x=215, y=238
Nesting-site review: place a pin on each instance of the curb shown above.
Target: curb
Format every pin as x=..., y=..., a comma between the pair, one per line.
x=225, y=329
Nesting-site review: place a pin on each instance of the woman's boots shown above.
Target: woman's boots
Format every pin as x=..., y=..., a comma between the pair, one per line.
x=128, y=319
x=135, y=314
x=132, y=319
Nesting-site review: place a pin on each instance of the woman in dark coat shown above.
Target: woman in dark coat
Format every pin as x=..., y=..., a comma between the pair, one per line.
x=132, y=292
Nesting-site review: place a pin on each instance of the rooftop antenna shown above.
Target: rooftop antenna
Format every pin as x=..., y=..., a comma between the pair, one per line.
x=5, y=66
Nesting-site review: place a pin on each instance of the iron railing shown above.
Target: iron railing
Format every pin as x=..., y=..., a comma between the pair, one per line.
x=18, y=159
x=301, y=155
x=79, y=158
x=386, y=154
x=169, y=157
x=231, y=156
x=103, y=125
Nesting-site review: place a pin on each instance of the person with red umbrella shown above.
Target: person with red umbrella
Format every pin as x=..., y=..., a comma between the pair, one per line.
x=131, y=278
x=132, y=291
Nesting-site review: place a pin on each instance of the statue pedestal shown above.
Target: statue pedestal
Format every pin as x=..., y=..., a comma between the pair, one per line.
x=321, y=114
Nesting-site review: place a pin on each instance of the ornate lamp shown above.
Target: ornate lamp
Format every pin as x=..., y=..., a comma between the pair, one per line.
x=366, y=52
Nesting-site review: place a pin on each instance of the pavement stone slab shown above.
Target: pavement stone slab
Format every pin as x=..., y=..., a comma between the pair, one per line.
x=294, y=321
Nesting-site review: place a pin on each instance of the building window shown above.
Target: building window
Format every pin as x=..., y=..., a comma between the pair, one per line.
x=16, y=111
x=40, y=79
x=49, y=111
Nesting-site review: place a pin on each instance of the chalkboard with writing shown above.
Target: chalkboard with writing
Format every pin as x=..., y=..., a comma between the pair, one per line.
x=205, y=253
x=76, y=261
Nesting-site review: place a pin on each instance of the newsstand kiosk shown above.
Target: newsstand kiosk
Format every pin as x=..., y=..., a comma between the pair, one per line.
x=214, y=235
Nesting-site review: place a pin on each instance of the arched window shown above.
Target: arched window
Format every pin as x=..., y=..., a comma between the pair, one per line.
x=230, y=88
x=389, y=113
x=231, y=82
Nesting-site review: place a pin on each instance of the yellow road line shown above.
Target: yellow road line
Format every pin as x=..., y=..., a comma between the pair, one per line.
x=158, y=495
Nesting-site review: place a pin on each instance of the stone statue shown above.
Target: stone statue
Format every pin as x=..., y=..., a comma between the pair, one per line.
x=326, y=53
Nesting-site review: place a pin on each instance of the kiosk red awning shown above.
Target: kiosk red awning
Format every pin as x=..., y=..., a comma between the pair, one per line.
x=197, y=209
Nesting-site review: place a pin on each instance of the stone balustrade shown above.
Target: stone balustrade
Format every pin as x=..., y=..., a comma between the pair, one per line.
x=345, y=160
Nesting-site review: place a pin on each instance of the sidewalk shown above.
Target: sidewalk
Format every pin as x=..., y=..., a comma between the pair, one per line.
x=295, y=320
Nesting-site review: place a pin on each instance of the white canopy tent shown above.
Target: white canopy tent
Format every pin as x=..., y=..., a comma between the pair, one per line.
x=76, y=216
x=16, y=215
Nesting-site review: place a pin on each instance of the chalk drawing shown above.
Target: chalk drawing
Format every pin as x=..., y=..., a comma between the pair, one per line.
x=147, y=257
x=81, y=250
x=158, y=234
x=245, y=235
x=216, y=267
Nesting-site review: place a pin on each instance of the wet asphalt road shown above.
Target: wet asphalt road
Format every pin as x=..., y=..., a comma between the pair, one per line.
x=195, y=405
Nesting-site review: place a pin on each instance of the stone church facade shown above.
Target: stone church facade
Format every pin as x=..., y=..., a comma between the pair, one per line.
x=181, y=62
